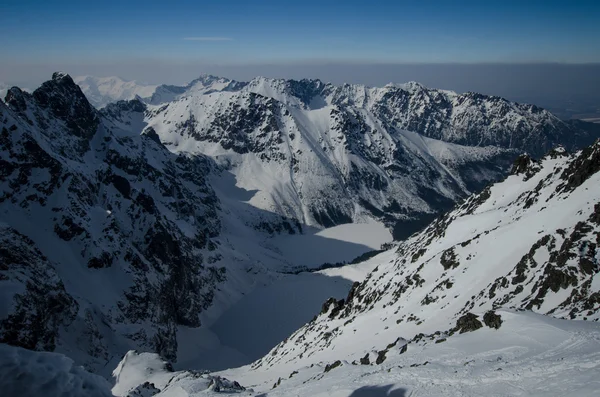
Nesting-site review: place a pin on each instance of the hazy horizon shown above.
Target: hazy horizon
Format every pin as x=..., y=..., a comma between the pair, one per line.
x=543, y=52
x=555, y=86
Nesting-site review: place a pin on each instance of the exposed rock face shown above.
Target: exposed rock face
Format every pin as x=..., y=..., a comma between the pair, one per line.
x=104, y=232
x=468, y=323
x=333, y=365
x=524, y=164
x=492, y=320
x=223, y=385
x=42, y=306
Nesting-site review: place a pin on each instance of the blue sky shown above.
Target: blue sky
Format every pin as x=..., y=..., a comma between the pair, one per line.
x=289, y=31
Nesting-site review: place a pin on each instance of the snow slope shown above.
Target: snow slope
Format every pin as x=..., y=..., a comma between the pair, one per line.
x=528, y=242
x=101, y=91
x=529, y=355
x=3, y=90
x=147, y=374
x=563, y=358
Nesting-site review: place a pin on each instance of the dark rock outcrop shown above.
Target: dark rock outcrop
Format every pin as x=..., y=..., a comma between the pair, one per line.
x=492, y=320
x=467, y=323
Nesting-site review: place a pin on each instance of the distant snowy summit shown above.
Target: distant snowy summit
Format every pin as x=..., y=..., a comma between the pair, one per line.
x=101, y=91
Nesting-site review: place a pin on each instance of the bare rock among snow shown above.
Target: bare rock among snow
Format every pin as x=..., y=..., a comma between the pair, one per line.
x=467, y=323
x=492, y=320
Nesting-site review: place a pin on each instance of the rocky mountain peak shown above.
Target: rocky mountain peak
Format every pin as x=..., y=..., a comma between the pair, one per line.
x=65, y=101
x=15, y=98
x=60, y=76
x=524, y=164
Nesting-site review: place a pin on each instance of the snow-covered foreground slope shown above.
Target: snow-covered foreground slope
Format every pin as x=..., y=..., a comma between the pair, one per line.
x=101, y=91
x=529, y=355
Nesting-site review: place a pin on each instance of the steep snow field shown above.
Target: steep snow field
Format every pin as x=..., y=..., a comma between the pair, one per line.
x=527, y=242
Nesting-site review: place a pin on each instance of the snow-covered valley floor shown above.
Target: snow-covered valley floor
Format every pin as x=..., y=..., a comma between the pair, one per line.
x=270, y=313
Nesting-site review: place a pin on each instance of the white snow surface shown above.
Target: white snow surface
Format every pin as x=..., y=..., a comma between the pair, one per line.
x=3, y=89
x=530, y=355
x=317, y=247
x=147, y=374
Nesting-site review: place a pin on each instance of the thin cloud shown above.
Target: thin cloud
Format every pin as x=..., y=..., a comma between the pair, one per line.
x=208, y=38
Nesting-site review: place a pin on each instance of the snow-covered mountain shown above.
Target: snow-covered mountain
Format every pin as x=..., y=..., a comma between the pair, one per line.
x=105, y=233
x=113, y=242
x=323, y=165
x=527, y=243
x=329, y=154
x=101, y=91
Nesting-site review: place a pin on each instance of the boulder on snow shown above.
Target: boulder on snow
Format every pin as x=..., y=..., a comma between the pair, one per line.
x=333, y=365
x=492, y=320
x=467, y=323
x=337, y=306
x=223, y=385
x=365, y=360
